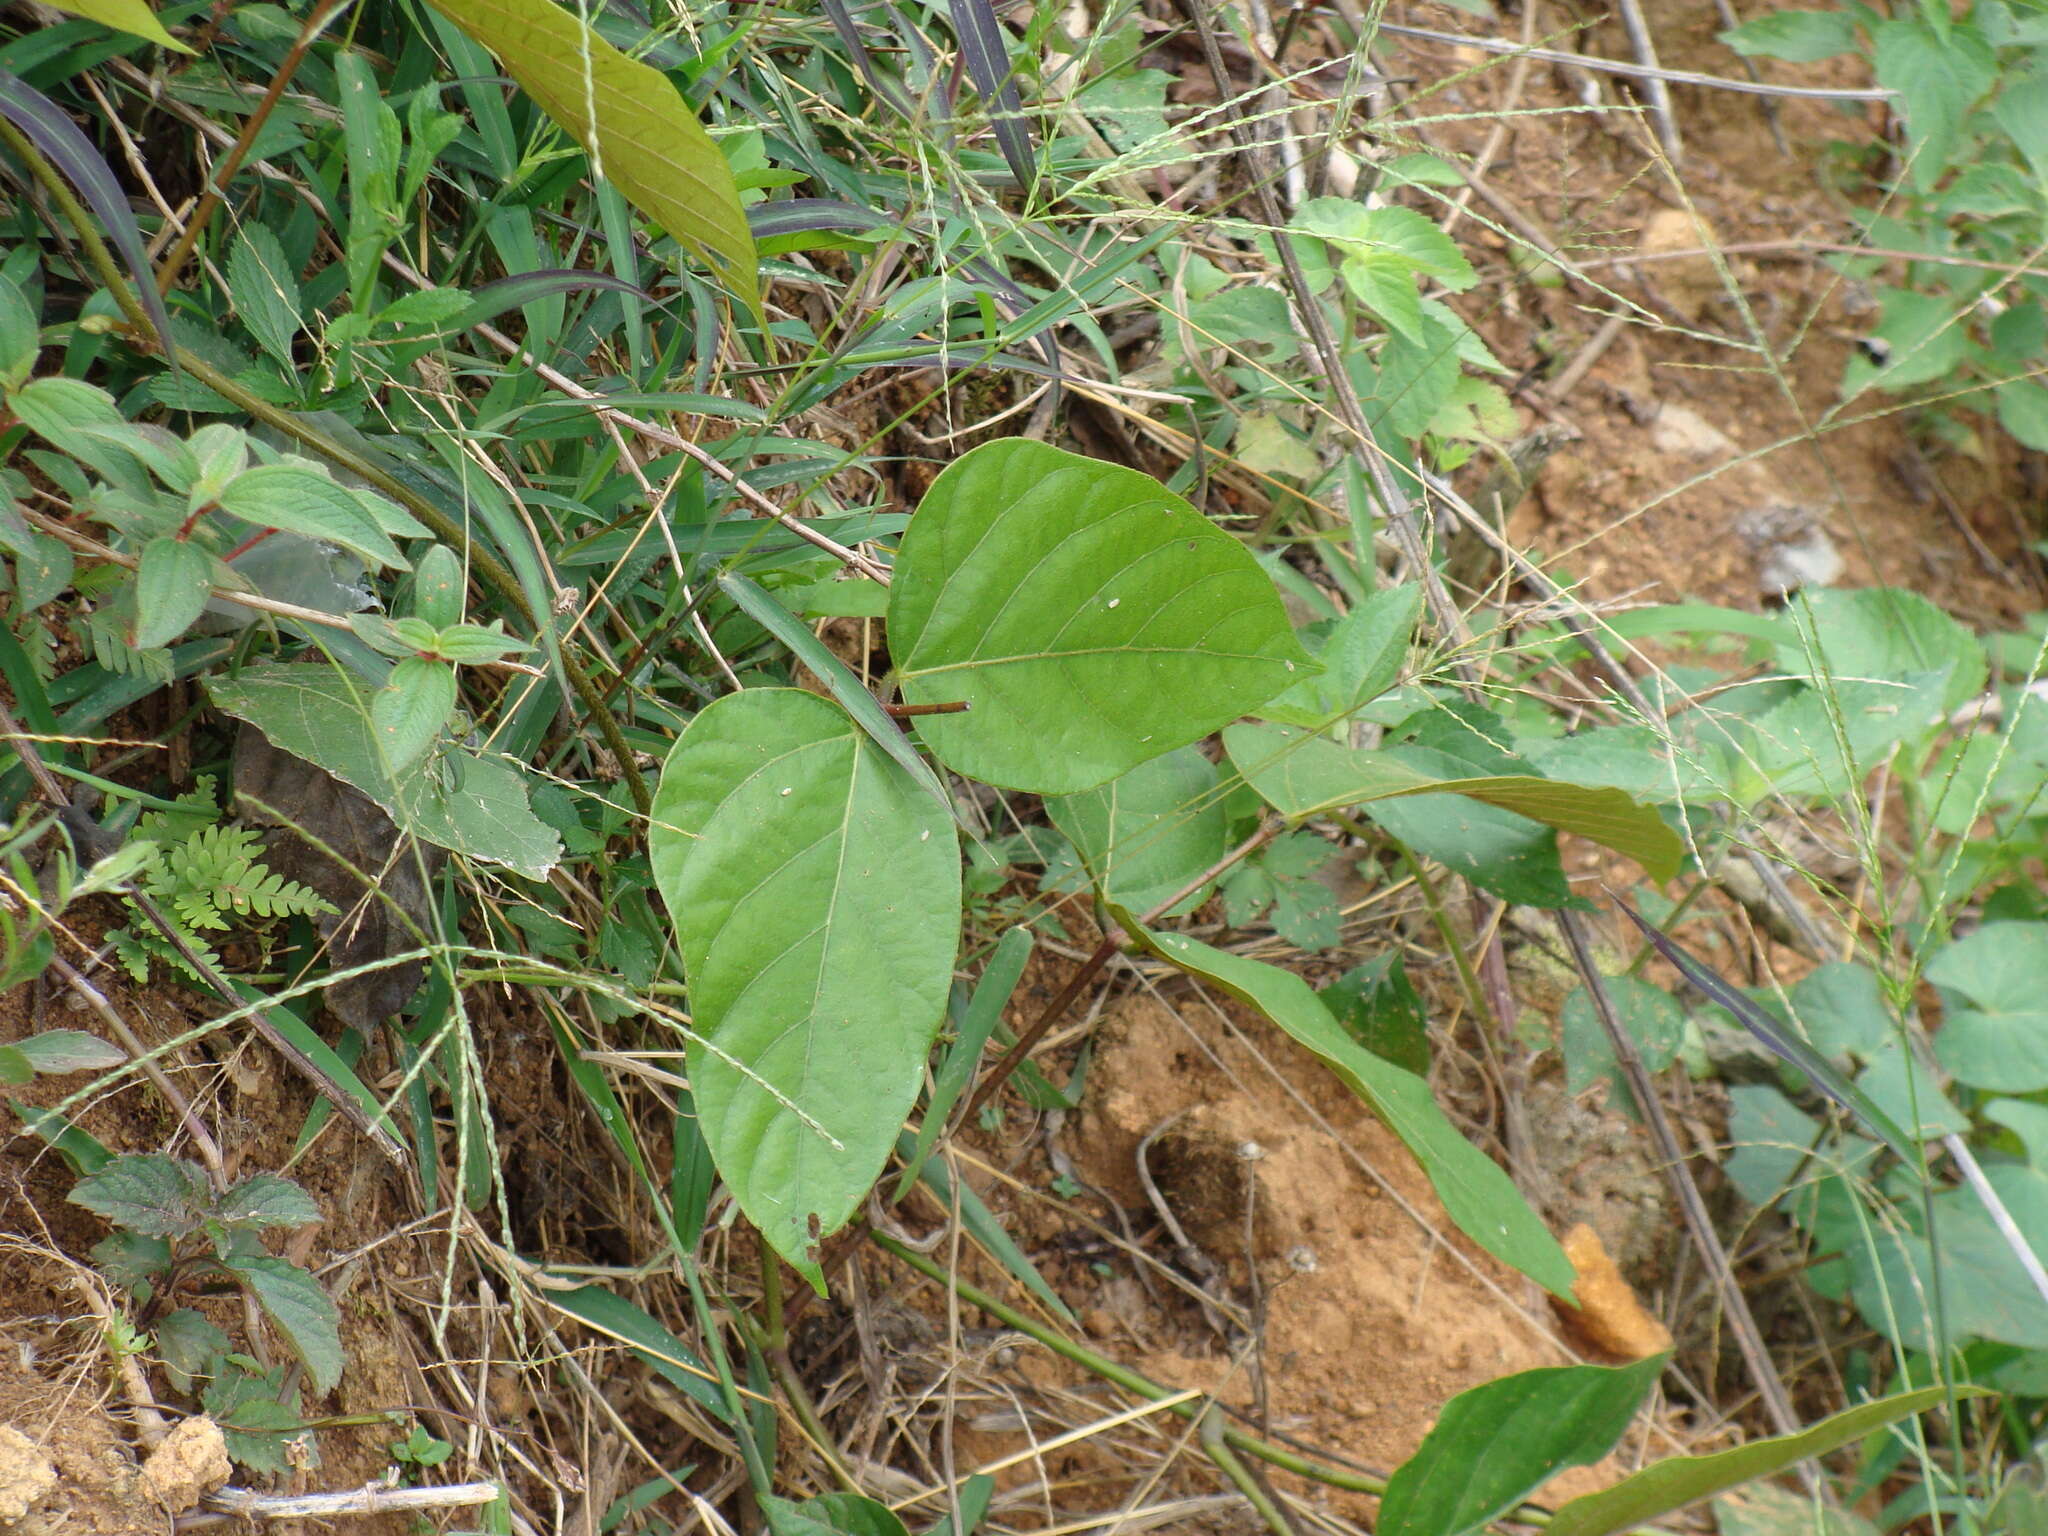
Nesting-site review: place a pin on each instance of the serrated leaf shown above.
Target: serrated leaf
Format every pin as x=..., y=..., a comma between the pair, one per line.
x=69, y=1050
x=408, y=712
x=1673, y=1483
x=639, y=131
x=316, y=712
x=149, y=1194
x=1302, y=774
x=815, y=890
x=189, y=1344
x=473, y=643
x=1649, y=1014
x=1147, y=833
x=1498, y=1443
x=306, y=502
x=301, y=1311
x=1391, y=231
x=1939, y=77
x=267, y=1200
x=59, y=409
x=1994, y=1033
x=265, y=291
x=1089, y=618
x=1476, y=1194
x=172, y=584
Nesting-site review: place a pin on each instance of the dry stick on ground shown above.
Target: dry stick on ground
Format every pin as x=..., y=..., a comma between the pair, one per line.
x=202, y=1139
x=1747, y=1337
x=1641, y=71
x=1654, y=84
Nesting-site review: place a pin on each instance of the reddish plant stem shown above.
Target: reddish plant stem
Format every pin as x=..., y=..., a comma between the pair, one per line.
x=247, y=544
x=174, y=260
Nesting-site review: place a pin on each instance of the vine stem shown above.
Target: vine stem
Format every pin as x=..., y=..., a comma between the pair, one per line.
x=173, y=264
x=444, y=528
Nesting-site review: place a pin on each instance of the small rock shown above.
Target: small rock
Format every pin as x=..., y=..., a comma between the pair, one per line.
x=1792, y=549
x=1684, y=433
x=1688, y=283
x=190, y=1464
x=26, y=1475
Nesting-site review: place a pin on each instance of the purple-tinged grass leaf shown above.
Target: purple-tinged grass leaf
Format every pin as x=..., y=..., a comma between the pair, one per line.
x=983, y=50
x=811, y=215
x=1782, y=1042
x=43, y=123
x=842, y=23
x=493, y=299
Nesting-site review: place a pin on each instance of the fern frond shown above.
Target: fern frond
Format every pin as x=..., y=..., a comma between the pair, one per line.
x=271, y=895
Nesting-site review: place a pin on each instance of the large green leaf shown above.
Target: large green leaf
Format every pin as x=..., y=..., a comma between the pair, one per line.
x=1477, y=1195
x=477, y=806
x=1145, y=834
x=1673, y=1483
x=1300, y=774
x=815, y=889
x=1089, y=618
x=1496, y=1444
x=639, y=131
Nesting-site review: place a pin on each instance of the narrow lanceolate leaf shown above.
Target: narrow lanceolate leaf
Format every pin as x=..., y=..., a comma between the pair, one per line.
x=1673, y=1483
x=1476, y=1194
x=69, y=1050
x=987, y=57
x=1783, y=1042
x=1498, y=1443
x=1301, y=774
x=815, y=890
x=1089, y=619
x=639, y=131
x=61, y=143
x=492, y=299
x=130, y=16
x=171, y=587
x=406, y=716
